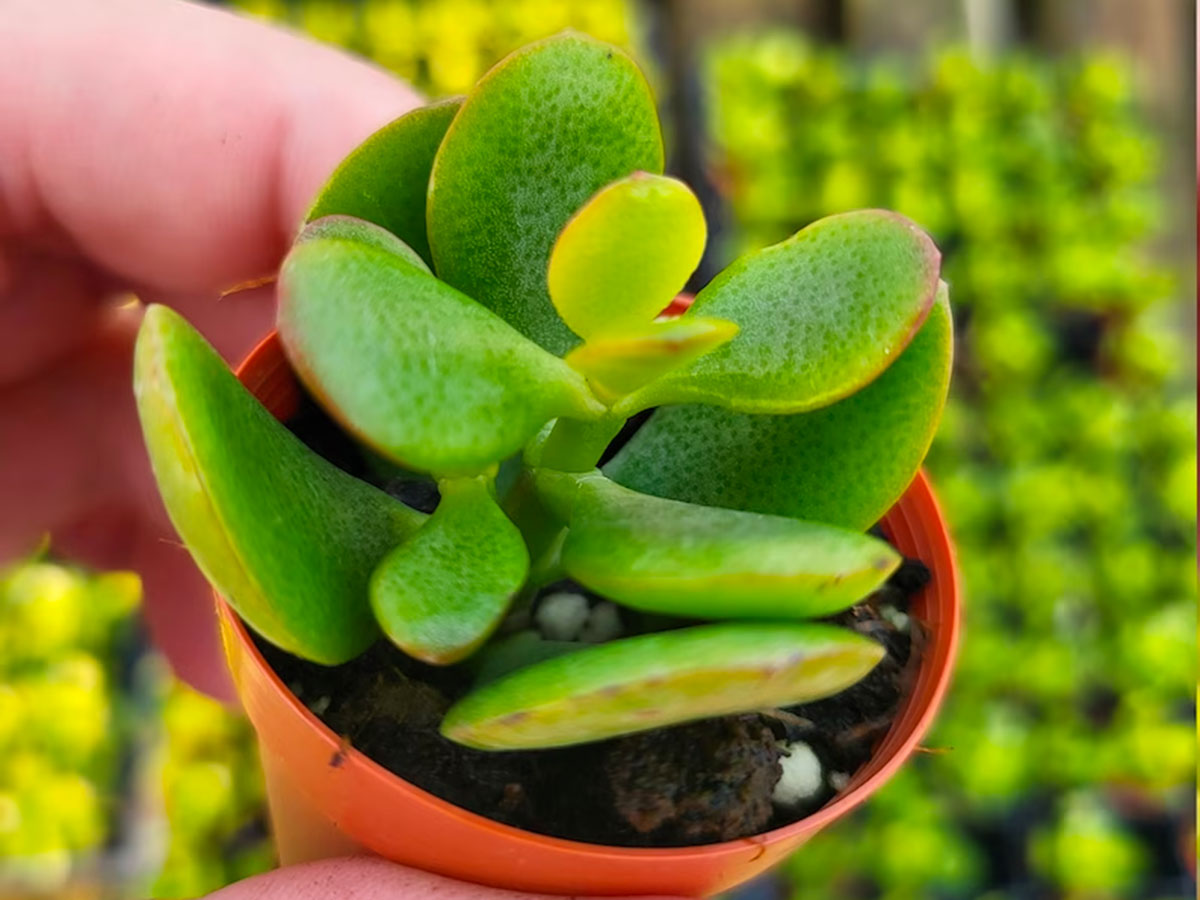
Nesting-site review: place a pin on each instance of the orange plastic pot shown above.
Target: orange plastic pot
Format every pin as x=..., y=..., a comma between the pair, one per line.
x=327, y=799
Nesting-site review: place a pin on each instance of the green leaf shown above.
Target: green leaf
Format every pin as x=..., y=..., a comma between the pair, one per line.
x=664, y=556
x=572, y=445
x=287, y=537
x=822, y=314
x=559, y=490
x=845, y=464
x=386, y=178
x=440, y=594
x=541, y=132
x=418, y=371
x=660, y=679
x=517, y=651
x=623, y=257
x=616, y=366
x=348, y=228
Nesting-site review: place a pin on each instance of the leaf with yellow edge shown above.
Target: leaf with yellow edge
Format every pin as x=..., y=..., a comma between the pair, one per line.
x=844, y=464
x=287, y=537
x=822, y=315
x=618, y=365
x=625, y=254
x=655, y=680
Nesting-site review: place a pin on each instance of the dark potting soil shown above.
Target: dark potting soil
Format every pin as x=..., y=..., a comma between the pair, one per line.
x=696, y=783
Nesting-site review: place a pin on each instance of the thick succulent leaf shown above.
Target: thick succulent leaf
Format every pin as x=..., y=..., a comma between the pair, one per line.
x=618, y=365
x=385, y=180
x=845, y=464
x=348, y=228
x=822, y=314
x=664, y=556
x=288, y=538
x=440, y=594
x=660, y=679
x=625, y=255
x=418, y=371
x=541, y=133
x=517, y=651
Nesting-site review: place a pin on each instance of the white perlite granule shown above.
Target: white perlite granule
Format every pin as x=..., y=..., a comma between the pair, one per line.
x=899, y=620
x=801, y=779
x=561, y=616
x=603, y=624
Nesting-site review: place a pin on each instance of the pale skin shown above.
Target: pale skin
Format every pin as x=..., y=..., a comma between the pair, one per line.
x=156, y=149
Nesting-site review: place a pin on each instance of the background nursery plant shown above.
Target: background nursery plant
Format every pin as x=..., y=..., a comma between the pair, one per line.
x=475, y=299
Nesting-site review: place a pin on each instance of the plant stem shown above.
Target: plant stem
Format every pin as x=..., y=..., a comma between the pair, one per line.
x=576, y=446
x=547, y=567
x=538, y=526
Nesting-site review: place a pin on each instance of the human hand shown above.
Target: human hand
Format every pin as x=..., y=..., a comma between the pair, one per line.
x=164, y=149
x=359, y=878
x=169, y=150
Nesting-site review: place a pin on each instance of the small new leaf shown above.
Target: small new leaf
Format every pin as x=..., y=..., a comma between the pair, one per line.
x=625, y=254
x=620, y=364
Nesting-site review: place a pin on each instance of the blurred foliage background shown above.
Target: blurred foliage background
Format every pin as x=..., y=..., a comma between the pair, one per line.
x=1060, y=191
x=1066, y=459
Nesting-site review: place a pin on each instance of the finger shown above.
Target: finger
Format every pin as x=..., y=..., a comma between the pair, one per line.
x=70, y=443
x=48, y=309
x=64, y=439
x=181, y=622
x=52, y=306
x=359, y=878
x=175, y=147
x=174, y=144
x=72, y=465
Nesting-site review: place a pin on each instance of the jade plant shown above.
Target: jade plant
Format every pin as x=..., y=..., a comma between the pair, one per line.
x=477, y=298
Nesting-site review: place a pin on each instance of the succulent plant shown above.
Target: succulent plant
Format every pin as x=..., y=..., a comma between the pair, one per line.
x=478, y=290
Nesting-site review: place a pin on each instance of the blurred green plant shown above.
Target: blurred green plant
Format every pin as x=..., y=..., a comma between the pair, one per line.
x=72, y=729
x=1066, y=459
x=1085, y=851
x=213, y=797
x=64, y=726
x=444, y=46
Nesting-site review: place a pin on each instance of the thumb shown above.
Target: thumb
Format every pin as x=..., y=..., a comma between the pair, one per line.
x=173, y=144
x=360, y=878
x=170, y=148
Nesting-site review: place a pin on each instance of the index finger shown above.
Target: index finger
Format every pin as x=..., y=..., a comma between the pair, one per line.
x=173, y=145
